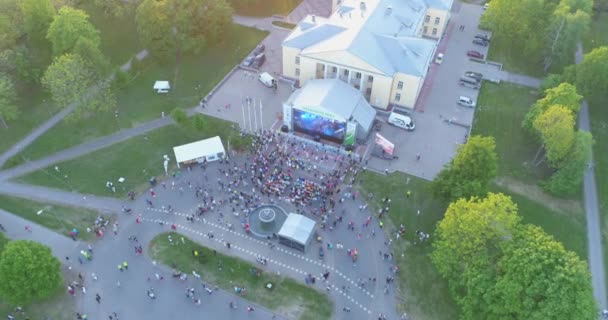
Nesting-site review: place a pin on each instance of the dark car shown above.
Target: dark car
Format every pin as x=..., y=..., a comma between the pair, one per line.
x=259, y=49
x=259, y=60
x=248, y=61
x=474, y=54
x=482, y=36
x=474, y=75
x=480, y=42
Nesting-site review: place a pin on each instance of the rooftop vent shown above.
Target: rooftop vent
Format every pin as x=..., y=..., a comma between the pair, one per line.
x=313, y=18
x=389, y=9
x=362, y=6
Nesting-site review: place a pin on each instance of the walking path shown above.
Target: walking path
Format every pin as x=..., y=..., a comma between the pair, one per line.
x=16, y=148
x=594, y=233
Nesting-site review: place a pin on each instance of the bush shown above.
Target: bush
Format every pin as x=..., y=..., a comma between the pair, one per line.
x=199, y=122
x=180, y=116
x=121, y=79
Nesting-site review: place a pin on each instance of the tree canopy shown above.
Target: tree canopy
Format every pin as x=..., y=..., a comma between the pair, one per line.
x=37, y=17
x=469, y=172
x=556, y=129
x=8, y=98
x=69, y=80
x=28, y=272
x=563, y=94
x=569, y=176
x=592, y=74
x=67, y=27
x=499, y=268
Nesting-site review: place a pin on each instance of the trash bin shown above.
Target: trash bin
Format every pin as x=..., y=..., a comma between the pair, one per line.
x=152, y=181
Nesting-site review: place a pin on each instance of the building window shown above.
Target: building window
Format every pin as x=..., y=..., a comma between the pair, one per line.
x=398, y=97
x=427, y=18
x=358, y=75
x=434, y=31
x=345, y=72
x=400, y=85
x=334, y=69
x=437, y=20
x=297, y=72
x=297, y=60
x=368, y=91
x=425, y=30
x=370, y=79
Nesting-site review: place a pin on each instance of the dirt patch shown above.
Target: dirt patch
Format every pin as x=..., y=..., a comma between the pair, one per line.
x=291, y=311
x=537, y=194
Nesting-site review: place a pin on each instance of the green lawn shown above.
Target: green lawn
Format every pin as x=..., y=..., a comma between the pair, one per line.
x=61, y=219
x=512, y=61
x=288, y=297
x=138, y=103
x=597, y=35
x=264, y=8
x=136, y=159
x=501, y=109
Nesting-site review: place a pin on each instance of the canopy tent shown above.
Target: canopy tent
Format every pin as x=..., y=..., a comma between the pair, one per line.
x=209, y=149
x=162, y=86
x=296, y=231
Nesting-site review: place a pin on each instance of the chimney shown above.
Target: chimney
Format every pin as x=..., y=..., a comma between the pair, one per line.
x=362, y=6
x=313, y=18
x=389, y=9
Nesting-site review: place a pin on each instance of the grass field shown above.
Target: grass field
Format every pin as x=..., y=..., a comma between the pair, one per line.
x=136, y=159
x=61, y=219
x=264, y=8
x=138, y=103
x=501, y=109
x=288, y=298
x=512, y=61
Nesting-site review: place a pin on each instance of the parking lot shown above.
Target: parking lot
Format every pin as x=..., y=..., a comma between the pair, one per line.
x=435, y=139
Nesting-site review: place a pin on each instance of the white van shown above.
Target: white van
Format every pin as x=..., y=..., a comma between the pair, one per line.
x=466, y=102
x=401, y=121
x=267, y=80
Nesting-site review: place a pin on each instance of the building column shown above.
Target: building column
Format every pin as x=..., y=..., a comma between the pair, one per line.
x=325, y=67
x=361, y=84
x=350, y=76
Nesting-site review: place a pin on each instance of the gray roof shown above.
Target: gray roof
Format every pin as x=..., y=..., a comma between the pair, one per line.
x=337, y=97
x=440, y=4
x=313, y=35
x=297, y=228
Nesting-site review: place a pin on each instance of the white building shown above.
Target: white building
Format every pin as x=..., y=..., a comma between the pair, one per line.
x=381, y=47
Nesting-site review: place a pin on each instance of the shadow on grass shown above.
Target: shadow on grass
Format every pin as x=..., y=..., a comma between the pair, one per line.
x=287, y=297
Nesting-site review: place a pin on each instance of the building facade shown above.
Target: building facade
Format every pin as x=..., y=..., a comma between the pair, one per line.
x=381, y=47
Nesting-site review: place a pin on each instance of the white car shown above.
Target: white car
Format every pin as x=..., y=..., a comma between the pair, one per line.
x=486, y=5
x=439, y=58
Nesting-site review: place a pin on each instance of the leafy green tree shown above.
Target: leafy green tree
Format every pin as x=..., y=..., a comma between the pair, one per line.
x=556, y=130
x=70, y=80
x=116, y=8
x=568, y=178
x=37, y=17
x=155, y=26
x=67, y=27
x=568, y=23
x=469, y=173
x=179, y=116
x=563, y=94
x=592, y=74
x=28, y=272
x=11, y=23
x=92, y=55
x=8, y=98
x=538, y=279
x=199, y=122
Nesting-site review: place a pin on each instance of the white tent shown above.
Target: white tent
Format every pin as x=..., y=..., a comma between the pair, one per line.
x=162, y=86
x=296, y=231
x=209, y=149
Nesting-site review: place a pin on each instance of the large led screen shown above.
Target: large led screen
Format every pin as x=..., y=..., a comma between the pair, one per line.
x=314, y=124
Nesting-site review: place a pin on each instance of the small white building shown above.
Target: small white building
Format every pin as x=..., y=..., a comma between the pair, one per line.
x=200, y=151
x=162, y=86
x=296, y=231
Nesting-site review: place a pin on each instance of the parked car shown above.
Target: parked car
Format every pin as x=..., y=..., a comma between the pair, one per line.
x=259, y=49
x=482, y=36
x=248, y=61
x=486, y=6
x=480, y=42
x=401, y=121
x=258, y=61
x=466, y=102
x=474, y=75
x=439, y=58
x=474, y=54
x=469, y=83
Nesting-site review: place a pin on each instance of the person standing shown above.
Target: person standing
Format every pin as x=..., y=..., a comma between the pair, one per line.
x=97, y=298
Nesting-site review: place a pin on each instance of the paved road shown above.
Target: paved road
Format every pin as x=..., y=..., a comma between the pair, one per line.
x=16, y=148
x=594, y=233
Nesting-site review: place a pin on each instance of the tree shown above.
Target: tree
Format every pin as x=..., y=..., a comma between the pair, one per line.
x=11, y=23
x=67, y=27
x=568, y=178
x=28, y=271
x=8, y=97
x=592, y=74
x=37, y=17
x=180, y=116
x=498, y=268
x=564, y=94
x=116, y=8
x=556, y=130
x=92, y=55
x=199, y=122
x=70, y=80
x=155, y=26
x=538, y=279
x=469, y=173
